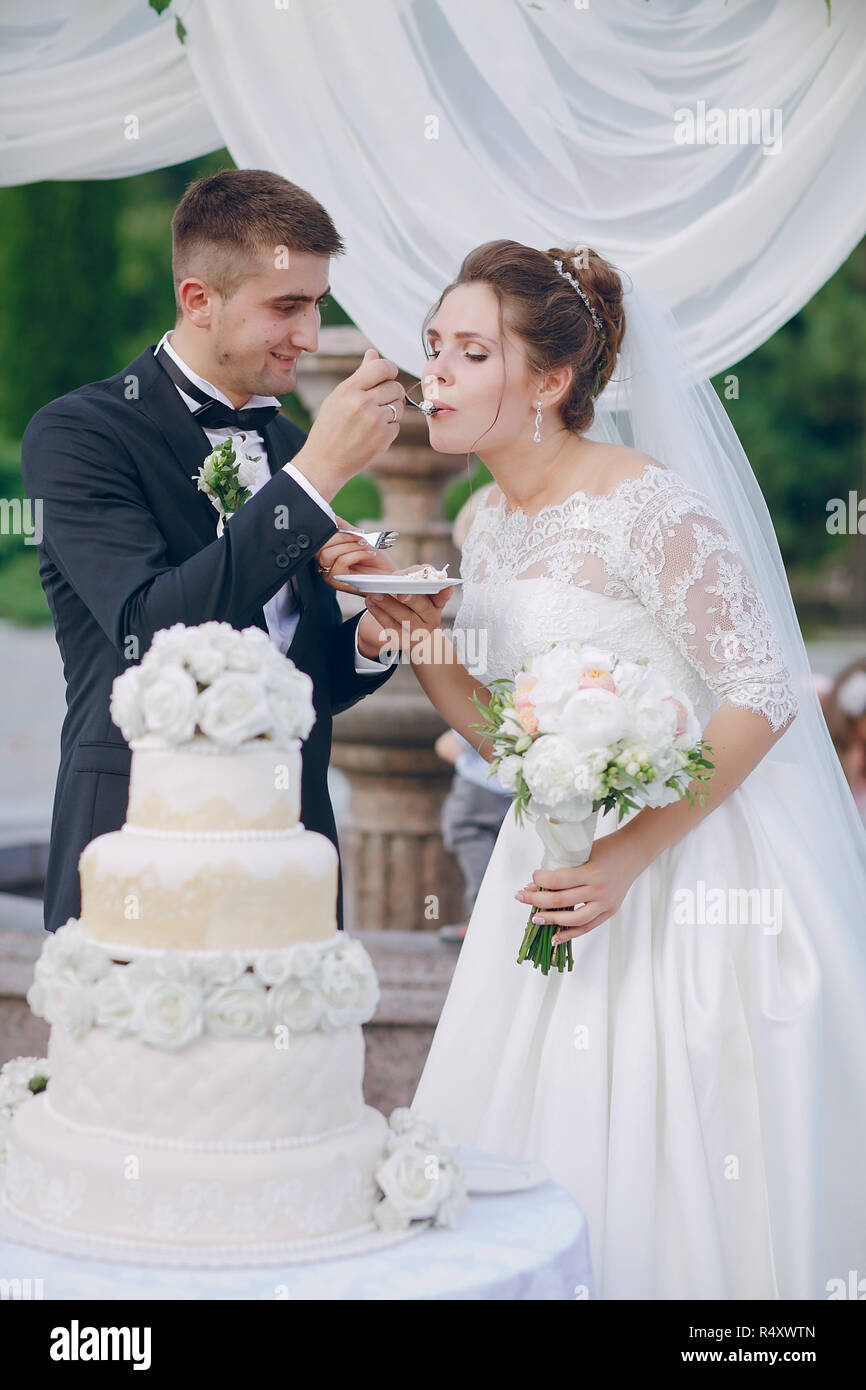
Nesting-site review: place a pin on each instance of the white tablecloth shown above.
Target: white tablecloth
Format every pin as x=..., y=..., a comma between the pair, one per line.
x=523, y=1245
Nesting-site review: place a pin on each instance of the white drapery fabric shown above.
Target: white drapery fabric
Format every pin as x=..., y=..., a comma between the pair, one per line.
x=428, y=126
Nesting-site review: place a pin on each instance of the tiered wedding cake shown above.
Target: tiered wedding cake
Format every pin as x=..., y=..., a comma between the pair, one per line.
x=206, y=1056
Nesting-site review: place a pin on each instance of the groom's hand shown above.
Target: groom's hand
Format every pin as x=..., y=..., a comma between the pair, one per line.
x=358, y=420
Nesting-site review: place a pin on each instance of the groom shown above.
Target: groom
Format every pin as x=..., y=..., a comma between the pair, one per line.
x=129, y=542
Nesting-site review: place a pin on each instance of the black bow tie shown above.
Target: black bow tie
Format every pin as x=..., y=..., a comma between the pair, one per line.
x=211, y=413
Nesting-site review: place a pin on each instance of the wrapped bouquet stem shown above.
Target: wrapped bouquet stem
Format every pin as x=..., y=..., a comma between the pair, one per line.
x=579, y=730
x=567, y=845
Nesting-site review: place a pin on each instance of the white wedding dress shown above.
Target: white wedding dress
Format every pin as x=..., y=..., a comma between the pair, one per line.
x=697, y=1082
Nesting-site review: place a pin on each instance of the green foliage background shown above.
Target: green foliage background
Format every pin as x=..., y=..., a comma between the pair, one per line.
x=85, y=284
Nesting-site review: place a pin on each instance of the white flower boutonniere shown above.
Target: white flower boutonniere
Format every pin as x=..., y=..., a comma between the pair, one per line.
x=226, y=481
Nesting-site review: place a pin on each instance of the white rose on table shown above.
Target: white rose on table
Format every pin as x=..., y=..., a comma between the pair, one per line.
x=168, y=700
x=238, y=1010
x=234, y=709
x=417, y=1184
x=297, y=1004
x=167, y=1013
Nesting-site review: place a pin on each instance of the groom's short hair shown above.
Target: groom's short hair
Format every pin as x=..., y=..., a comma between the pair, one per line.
x=223, y=222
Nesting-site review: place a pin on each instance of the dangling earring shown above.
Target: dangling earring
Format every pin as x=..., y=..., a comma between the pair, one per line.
x=536, y=438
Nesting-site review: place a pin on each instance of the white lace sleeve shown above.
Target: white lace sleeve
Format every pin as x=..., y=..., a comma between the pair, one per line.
x=686, y=570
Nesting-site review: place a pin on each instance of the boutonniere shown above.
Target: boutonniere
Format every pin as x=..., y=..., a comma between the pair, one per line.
x=226, y=481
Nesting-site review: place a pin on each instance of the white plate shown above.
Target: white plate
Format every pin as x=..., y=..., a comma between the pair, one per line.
x=397, y=584
x=487, y=1172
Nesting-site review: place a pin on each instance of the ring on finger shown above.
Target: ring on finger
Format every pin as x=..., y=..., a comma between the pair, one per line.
x=392, y=407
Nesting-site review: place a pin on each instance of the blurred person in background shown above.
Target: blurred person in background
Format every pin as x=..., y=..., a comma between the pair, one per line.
x=845, y=708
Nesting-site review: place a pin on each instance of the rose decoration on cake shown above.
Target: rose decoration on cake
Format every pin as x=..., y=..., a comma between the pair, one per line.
x=212, y=680
x=167, y=999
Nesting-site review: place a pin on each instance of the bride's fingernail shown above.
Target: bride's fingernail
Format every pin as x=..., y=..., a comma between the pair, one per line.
x=520, y=897
x=539, y=921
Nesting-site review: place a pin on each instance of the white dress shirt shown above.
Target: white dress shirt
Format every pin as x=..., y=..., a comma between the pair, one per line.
x=281, y=611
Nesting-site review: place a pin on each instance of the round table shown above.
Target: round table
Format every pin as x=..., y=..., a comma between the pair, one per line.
x=520, y=1245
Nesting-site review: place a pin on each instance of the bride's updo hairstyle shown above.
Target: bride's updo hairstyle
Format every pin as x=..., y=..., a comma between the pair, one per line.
x=539, y=304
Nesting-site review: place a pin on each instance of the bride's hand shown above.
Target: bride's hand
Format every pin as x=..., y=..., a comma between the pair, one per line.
x=594, y=889
x=404, y=615
x=343, y=555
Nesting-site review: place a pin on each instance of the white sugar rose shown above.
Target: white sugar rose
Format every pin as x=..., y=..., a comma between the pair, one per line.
x=234, y=709
x=70, y=1005
x=304, y=960
x=168, y=1013
x=168, y=700
x=340, y=990
x=297, y=1004
x=290, y=699
x=220, y=967
x=238, y=1010
x=272, y=967
x=125, y=704
x=113, y=1003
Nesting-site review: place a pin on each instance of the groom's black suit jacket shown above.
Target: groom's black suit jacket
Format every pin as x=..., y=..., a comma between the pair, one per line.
x=129, y=546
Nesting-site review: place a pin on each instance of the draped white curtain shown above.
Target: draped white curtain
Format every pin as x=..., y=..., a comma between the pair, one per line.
x=428, y=126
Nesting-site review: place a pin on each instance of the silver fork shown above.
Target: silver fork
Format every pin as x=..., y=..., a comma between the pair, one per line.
x=379, y=540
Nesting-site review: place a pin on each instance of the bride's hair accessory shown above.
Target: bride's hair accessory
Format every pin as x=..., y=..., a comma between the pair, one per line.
x=572, y=280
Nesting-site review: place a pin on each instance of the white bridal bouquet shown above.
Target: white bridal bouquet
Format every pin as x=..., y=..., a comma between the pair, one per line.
x=578, y=730
x=212, y=679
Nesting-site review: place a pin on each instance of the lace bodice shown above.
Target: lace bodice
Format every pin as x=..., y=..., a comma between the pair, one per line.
x=644, y=570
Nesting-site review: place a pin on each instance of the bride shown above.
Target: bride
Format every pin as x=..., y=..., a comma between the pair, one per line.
x=697, y=1082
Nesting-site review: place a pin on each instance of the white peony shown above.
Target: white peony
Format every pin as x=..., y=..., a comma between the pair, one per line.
x=168, y=1013
x=653, y=725
x=297, y=1003
x=234, y=709
x=168, y=700
x=238, y=1010
x=594, y=718
x=509, y=770
x=549, y=767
